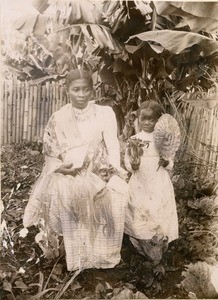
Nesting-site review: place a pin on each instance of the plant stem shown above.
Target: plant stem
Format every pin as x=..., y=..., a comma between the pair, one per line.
x=51, y=272
x=58, y=296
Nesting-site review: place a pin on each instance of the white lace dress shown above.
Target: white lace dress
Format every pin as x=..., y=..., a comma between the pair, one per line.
x=152, y=207
x=67, y=204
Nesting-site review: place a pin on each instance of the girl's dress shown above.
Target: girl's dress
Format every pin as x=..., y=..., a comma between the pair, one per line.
x=89, y=214
x=151, y=209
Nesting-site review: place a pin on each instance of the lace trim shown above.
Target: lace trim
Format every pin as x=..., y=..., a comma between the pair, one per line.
x=83, y=114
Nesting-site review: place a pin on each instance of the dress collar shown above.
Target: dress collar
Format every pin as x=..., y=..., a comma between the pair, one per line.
x=83, y=110
x=143, y=133
x=145, y=136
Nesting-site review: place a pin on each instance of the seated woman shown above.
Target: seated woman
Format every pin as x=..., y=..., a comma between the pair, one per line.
x=72, y=197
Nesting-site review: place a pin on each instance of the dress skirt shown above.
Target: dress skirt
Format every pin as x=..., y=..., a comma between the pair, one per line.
x=88, y=243
x=152, y=208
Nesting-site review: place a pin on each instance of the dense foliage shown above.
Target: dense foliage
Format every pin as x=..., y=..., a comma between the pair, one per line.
x=133, y=48
x=134, y=41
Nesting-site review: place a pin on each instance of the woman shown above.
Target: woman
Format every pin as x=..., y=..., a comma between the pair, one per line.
x=72, y=197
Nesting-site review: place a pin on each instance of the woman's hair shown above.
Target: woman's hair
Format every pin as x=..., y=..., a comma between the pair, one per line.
x=79, y=74
x=154, y=105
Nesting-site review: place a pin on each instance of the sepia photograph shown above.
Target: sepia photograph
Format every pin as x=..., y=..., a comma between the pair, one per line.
x=109, y=149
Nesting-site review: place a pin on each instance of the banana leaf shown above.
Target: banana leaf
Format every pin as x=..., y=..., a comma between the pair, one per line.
x=177, y=41
x=199, y=16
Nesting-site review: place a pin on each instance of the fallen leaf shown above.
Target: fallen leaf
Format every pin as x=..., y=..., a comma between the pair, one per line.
x=7, y=286
x=18, y=186
x=42, y=293
x=99, y=288
x=11, y=193
x=21, y=270
x=58, y=269
x=5, y=244
x=124, y=294
x=75, y=286
x=192, y=295
x=214, y=278
x=130, y=286
x=34, y=152
x=3, y=225
x=39, y=237
x=109, y=287
x=21, y=285
x=23, y=232
x=139, y=295
x=117, y=290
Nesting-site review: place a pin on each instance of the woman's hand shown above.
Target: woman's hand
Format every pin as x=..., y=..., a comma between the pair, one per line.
x=107, y=172
x=123, y=174
x=67, y=169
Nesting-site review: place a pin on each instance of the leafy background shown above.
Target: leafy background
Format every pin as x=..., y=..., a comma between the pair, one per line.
x=137, y=50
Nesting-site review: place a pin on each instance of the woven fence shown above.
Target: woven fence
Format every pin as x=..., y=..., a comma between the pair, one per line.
x=26, y=108
x=199, y=124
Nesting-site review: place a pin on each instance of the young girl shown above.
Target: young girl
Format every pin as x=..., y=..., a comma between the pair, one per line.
x=151, y=216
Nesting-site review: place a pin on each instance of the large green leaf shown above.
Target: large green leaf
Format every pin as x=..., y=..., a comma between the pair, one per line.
x=144, y=51
x=177, y=41
x=199, y=9
x=199, y=16
x=107, y=76
x=197, y=280
x=32, y=23
x=26, y=24
x=121, y=66
x=40, y=26
x=40, y=5
x=78, y=12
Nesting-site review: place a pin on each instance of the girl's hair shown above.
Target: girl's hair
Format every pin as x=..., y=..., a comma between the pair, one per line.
x=154, y=105
x=79, y=74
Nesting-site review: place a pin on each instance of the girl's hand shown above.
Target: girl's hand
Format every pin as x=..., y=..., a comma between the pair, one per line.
x=66, y=169
x=134, y=166
x=135, y=163
x=163, y=162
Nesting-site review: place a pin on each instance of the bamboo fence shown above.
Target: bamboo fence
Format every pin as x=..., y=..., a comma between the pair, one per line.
x=199, y=124
x=26, y=108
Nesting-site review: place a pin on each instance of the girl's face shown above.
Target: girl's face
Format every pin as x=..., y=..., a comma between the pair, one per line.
x=147, y=120
x=80, y=93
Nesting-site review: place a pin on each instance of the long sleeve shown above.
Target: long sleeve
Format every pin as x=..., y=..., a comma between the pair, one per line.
x=127, y=162
x=51, y=151
x=51, y=148
x=110, y=137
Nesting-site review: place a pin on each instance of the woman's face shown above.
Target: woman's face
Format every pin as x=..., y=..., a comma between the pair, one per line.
x=80, y=93
x=147, y=120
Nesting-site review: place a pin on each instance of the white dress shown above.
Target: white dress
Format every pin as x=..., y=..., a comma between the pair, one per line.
x=152, y=208
x=92, y=228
